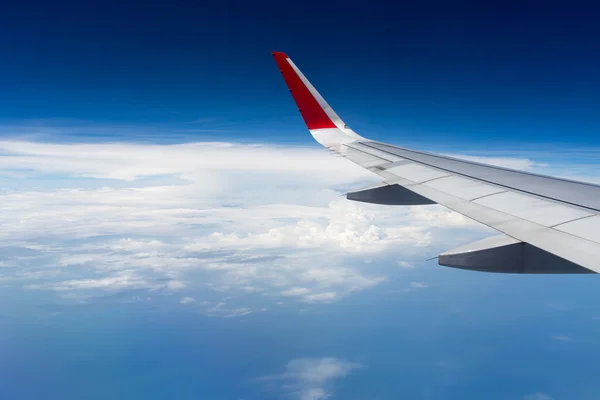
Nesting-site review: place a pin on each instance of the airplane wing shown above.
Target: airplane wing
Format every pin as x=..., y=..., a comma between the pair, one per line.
x=548, y=225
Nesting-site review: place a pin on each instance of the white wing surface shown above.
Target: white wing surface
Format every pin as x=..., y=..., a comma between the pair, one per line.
x=548, y=225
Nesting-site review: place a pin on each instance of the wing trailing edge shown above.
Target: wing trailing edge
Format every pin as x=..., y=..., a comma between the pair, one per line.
x=505, y=254
x=386, y=194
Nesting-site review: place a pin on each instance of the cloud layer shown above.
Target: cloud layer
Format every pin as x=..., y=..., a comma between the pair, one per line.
x=228, y=219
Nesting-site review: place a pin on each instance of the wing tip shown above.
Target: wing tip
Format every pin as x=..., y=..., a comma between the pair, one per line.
x=314, y=114
x=279, y=54
x=325, y=126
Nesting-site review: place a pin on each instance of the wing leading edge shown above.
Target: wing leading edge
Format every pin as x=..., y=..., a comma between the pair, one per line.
x=549, y=225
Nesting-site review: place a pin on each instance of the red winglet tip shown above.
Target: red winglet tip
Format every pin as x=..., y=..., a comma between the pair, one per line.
x=312, y=112
x=279, y=54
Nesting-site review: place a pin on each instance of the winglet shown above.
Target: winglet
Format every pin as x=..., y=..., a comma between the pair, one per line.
x=312, y=112
x=324, y=124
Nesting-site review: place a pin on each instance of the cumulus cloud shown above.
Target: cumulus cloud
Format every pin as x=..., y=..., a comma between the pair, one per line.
x=311, y=378
x=236, y=220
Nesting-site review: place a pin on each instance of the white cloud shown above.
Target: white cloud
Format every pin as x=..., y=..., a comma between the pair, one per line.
x=187, y=300
x=225, y=310
x=418, y=285
x=319, y=297
x=312, y=378
x=175, y=285
x=249, y=220
x=238, y=312
x=122, y=280
x=405, y=264
x=562, y=338
x=295, y=291
x=195, y=161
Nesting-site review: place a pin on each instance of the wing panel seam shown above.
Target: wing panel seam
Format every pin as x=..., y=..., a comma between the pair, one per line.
x=573, y=220
x=366, y=152
x=433, y=179
x=488, y=195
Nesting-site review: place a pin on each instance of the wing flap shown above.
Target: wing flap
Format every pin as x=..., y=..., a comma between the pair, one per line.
x=532, y=209
x=504, y=254
x=561, y=244
x=587, y=228
x=393, y=195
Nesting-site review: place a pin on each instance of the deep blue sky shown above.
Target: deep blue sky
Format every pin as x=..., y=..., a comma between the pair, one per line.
x=400, y=71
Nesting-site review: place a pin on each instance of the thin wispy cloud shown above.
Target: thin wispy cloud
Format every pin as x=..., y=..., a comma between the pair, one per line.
x=187, y=300
x=311, y=378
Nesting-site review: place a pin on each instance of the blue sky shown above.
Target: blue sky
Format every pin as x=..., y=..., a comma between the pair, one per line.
x=170, y=230
x=502, y=72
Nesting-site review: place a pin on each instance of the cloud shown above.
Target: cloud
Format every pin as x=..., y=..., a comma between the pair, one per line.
x=405, y=264
x=295, y=291
x=121, y=280
x=225, y=310
x=418, y=285
x=187, y=300
x=220, y=219
x=311, y=378
x=562, y=338
x=238, y=312
x=128, y=162
x=175, y=285
x=320, y=297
